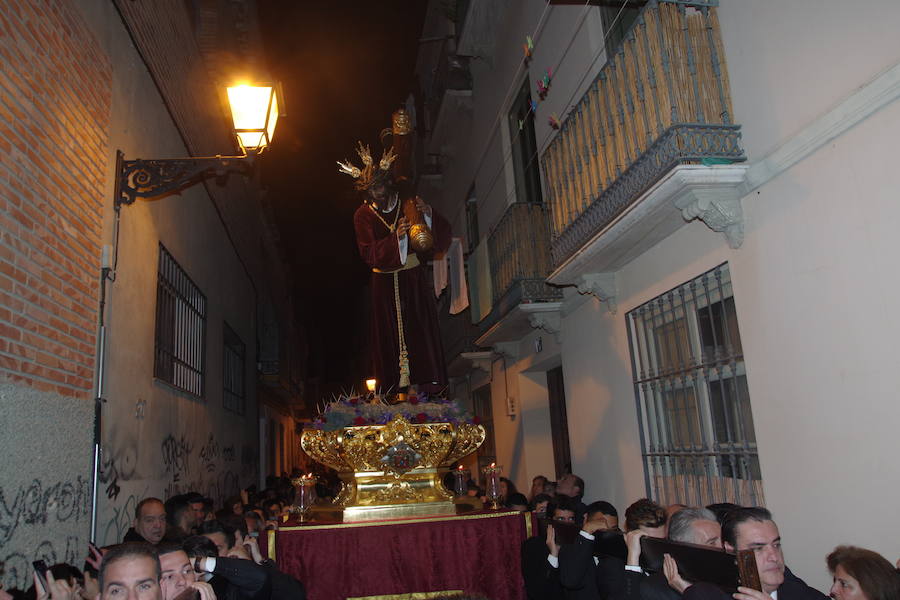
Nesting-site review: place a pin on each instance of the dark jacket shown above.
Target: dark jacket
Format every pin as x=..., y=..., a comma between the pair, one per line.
x=541, y=580
x=653, y=587
x=284, y=587
x=240, y=579
x=577, y=571
x=133, y=536
x=793, y=588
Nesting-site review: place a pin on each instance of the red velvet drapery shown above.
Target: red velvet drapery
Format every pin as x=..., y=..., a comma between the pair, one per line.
x=476, y=553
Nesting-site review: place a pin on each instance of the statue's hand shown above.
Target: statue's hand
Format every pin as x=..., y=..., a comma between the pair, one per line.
x=425, y=209
x=402, y=227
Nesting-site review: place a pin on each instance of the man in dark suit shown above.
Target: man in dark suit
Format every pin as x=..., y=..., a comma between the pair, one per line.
x=539, y=556
x=177, y=574
x=689, y=525
x=754, y=529
x=595, y=565
x=230, y=578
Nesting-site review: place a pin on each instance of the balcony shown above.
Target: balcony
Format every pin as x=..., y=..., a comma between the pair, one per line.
x=650, y=145
x=519, y=252
x=451, y=87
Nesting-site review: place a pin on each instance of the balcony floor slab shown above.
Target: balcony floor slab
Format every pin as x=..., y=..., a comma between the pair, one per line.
x=517, y=323
x=684, y=193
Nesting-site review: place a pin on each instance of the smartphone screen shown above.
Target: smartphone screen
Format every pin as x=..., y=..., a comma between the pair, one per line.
x=40, y=569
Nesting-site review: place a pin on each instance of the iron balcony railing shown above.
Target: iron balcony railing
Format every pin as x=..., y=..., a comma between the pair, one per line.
x=661, y=100
x=519, y=249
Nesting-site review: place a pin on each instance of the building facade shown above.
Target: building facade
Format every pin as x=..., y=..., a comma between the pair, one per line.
x=174, y=311
x=679, y=222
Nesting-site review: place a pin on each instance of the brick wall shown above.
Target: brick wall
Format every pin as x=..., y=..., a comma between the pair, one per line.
x=54, y=108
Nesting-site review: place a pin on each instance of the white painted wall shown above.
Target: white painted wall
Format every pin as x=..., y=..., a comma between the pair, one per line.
x=814, y=281
x=157, y=441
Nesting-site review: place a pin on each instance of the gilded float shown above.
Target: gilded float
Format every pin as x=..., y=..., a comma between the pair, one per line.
x=393, y=469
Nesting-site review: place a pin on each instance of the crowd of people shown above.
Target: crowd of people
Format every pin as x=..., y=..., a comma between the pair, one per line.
x=601, y=561
x=181, y=549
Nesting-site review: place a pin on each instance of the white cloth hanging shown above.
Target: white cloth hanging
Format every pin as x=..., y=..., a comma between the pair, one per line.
x=459, y=290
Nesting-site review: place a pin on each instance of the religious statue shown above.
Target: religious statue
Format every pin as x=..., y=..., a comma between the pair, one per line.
x=397, y=234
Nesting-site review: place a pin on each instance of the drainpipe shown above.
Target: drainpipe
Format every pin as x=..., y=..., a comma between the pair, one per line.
x=100, y=373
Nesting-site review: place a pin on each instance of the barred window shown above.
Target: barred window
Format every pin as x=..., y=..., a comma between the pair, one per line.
x=233, y=369
x=693, y=402
x=180, y=353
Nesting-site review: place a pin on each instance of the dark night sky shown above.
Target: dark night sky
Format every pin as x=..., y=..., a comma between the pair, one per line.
x=345, y=67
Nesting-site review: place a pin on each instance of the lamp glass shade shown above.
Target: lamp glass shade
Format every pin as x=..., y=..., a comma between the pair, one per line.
x=370, y=385
x=254, y=111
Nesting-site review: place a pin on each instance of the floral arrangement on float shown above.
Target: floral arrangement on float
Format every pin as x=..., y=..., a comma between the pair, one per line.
x=357, y=410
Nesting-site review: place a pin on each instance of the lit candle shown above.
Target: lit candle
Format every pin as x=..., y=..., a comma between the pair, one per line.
x=492, y=484
x=305, y=488
x=460, y=481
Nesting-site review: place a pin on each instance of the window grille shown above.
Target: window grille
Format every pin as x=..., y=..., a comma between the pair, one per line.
x=233, y=368
x=693, y=402
x=180, y=353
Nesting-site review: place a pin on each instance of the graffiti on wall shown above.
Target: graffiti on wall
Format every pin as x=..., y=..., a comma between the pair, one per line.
x=17, y=566
x=176, y=455
x=185, y=463
x=118, y=464
x=39, y=504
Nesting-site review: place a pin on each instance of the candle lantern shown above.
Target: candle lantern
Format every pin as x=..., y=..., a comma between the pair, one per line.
x=460, y=481
x=305, y=494
x=492, y=484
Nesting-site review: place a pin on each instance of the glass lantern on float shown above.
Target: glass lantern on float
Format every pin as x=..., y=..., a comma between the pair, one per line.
x=492, y=484
x=460, y=481
x=304, y=494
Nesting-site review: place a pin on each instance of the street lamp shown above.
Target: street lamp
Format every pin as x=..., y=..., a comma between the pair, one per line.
x=254, y=112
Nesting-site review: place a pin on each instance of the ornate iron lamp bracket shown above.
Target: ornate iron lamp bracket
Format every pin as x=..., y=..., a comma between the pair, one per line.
x=151, y=178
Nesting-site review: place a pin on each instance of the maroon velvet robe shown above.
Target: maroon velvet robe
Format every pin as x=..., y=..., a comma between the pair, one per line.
x=380, y=249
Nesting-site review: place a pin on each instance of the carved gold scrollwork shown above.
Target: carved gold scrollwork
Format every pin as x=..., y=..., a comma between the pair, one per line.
x=395, y=463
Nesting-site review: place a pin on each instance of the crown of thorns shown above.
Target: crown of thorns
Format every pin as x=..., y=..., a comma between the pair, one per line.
x=367, y=175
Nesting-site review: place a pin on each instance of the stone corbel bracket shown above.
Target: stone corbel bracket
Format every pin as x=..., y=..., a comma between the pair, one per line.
x=479, y=360
x=600, y=285
x=549, y=322
x=716, y=203
x=508, y=350
x=544, y=316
